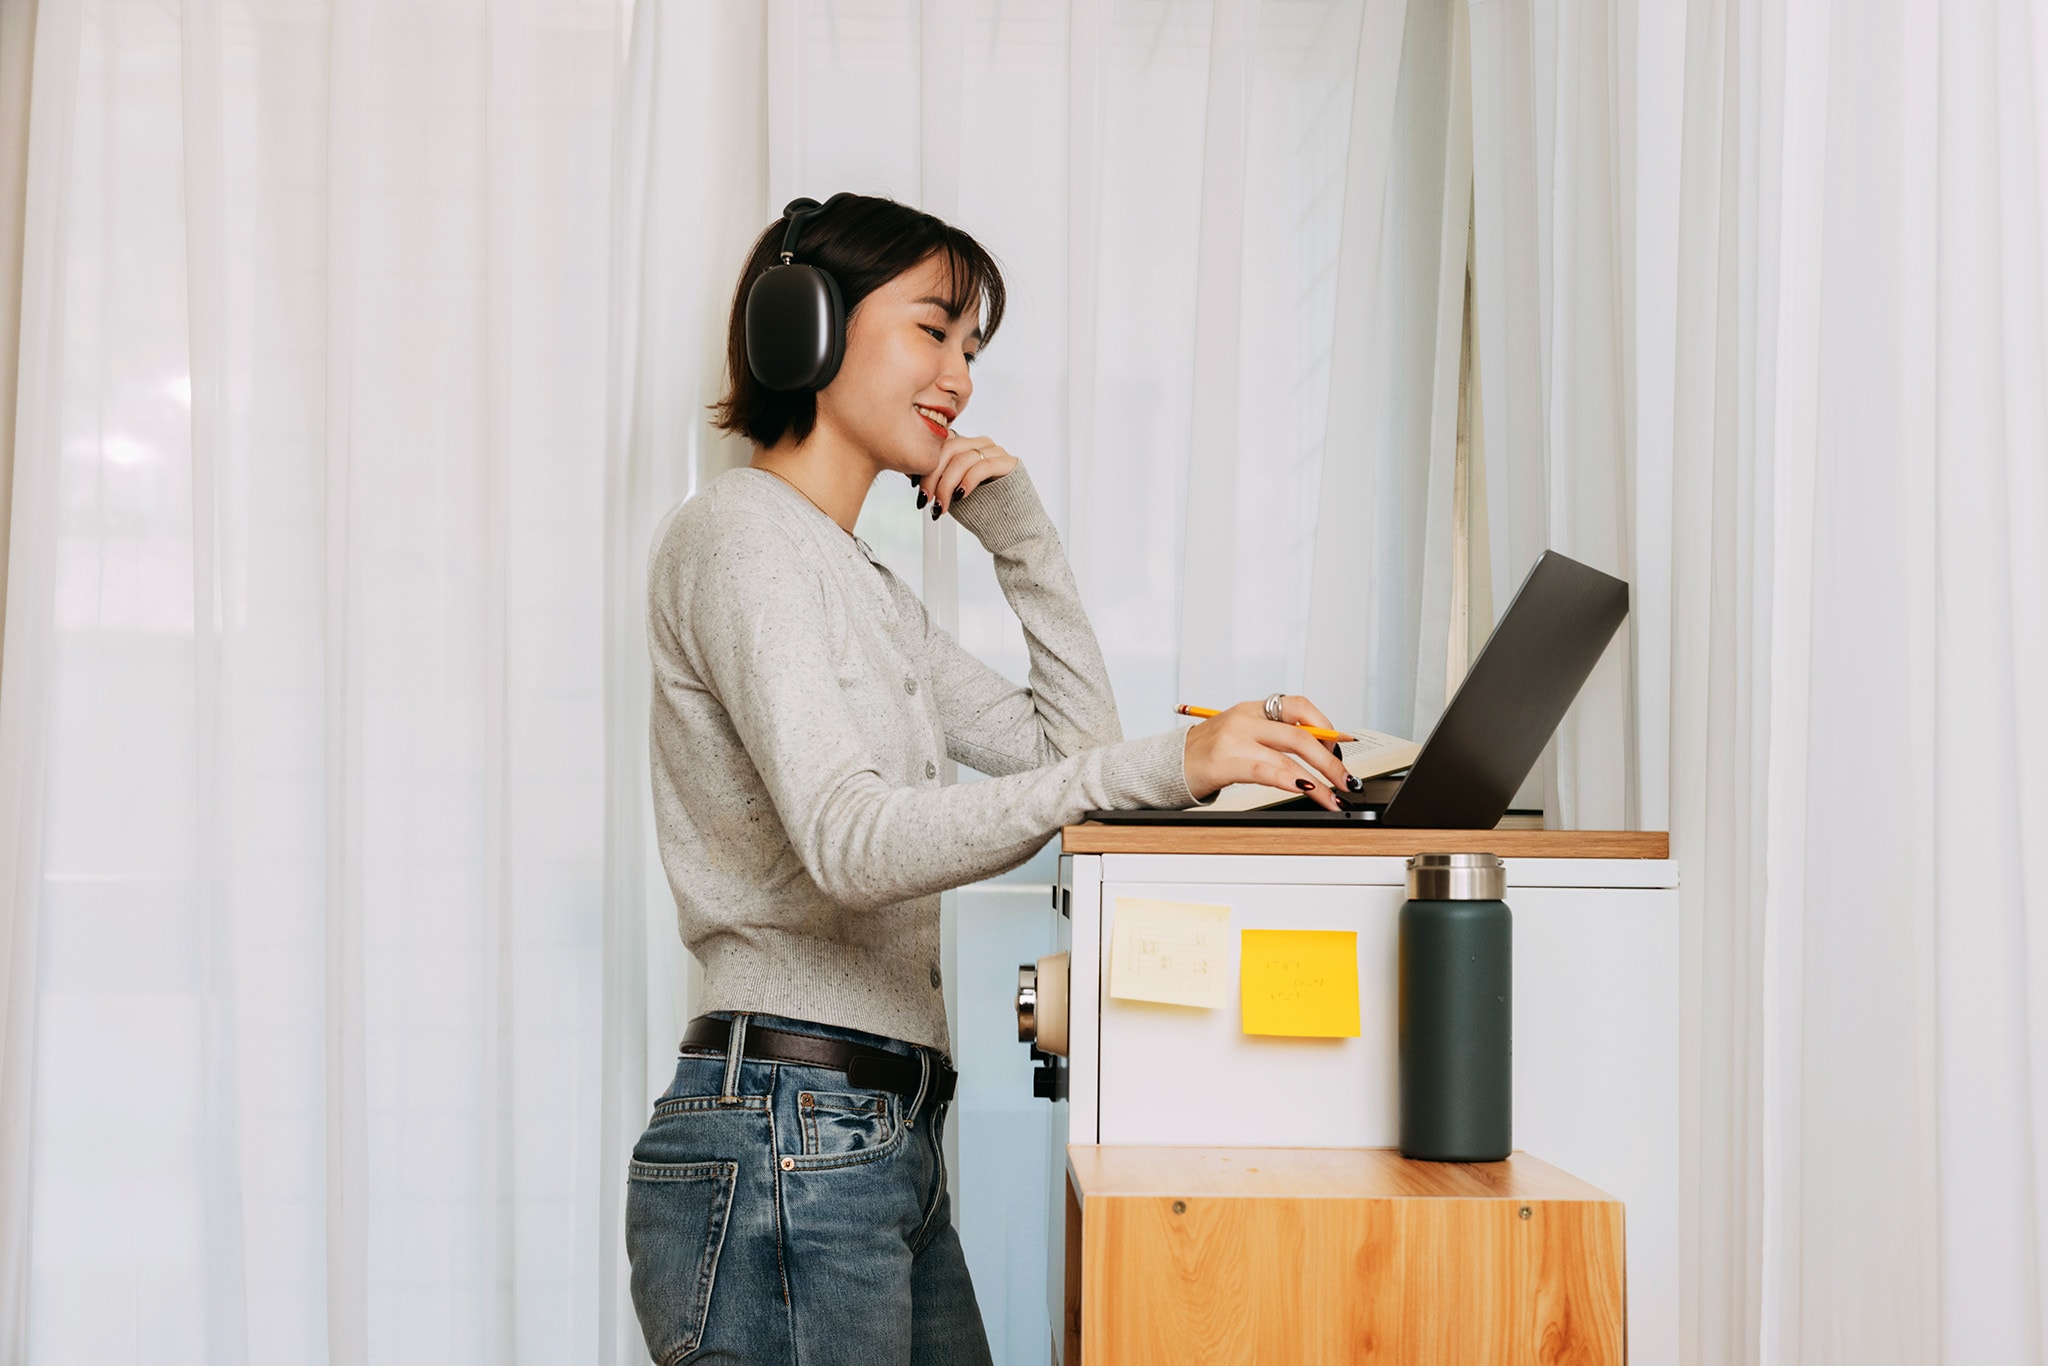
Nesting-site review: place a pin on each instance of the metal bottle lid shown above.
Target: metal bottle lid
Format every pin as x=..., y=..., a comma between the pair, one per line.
x=1456, y=877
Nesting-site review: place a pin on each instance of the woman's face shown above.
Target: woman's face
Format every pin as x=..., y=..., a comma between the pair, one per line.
x=904, y=380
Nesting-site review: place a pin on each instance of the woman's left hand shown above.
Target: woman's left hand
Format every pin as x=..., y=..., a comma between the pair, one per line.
x=965, y=464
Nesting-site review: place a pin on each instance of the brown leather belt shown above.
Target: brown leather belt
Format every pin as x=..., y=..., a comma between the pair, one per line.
x=864, y=1067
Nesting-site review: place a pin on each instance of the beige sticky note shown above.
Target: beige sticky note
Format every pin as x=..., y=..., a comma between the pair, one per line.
x=1177, y=952
x=1302, y=983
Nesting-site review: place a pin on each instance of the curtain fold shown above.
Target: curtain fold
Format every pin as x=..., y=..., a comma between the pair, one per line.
x=17, y=52
x=344, y=1260
x=25, y=685
x=627, y=1053
x=1551, y=232
x=213, y=530
x=1381, y=608
x=1436, y=536
x=1211, y=549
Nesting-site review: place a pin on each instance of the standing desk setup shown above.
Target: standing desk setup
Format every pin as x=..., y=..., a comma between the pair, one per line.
x=1224, y=1196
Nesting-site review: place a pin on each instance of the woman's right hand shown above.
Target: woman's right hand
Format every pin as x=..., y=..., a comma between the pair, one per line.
x=1241, y=746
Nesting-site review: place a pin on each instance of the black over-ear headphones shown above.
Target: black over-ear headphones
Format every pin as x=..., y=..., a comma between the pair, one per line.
x=796, y=323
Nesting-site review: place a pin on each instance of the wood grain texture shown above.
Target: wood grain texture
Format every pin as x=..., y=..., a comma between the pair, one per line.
x=1096, y=838
x=1289, y=1256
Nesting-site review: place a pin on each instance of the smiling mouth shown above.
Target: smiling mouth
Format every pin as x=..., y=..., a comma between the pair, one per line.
x=937, y=419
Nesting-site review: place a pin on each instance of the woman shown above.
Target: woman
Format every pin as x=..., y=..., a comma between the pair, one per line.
x=788, y=1202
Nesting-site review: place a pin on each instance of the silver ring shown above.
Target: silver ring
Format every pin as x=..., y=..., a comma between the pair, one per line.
x=1273, y=707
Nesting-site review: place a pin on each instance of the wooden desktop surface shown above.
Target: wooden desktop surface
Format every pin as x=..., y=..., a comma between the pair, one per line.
x=1097, y=838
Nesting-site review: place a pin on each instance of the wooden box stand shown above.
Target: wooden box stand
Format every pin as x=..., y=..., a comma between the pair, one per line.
x=1313, y=1255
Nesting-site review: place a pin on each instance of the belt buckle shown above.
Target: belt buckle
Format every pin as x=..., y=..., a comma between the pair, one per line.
x=870, y=1071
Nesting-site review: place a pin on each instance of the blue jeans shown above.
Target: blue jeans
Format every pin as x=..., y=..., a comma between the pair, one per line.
x=775, y=1213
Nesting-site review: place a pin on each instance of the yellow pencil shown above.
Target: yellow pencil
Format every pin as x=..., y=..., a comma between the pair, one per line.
x=1204, y=713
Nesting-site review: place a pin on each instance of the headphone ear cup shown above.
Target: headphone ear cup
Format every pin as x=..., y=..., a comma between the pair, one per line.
x=835, y=332
x=796, y=328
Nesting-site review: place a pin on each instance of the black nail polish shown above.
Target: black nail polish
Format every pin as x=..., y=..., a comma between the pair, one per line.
x=1336, y=749
x=911, y=477
x=922, y=499
x=1304, y=784
x=936, y=510
x=960, y=492
x=1354, y=782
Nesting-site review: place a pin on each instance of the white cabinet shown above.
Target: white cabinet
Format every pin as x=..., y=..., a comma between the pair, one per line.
x=1596, y=1032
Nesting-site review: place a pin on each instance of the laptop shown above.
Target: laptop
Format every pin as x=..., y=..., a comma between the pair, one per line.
x=1495, y=728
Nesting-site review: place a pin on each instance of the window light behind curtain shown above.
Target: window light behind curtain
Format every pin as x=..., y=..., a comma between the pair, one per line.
x=303, y=687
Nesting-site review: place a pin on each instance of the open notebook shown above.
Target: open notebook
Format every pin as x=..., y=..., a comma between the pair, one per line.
x=1371, y=755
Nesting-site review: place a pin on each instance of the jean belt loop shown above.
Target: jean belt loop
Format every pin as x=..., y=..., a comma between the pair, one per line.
x=924, y=1080
x=735, y=1049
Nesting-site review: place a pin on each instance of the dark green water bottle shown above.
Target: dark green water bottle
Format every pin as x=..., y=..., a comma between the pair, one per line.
x=1457, y=969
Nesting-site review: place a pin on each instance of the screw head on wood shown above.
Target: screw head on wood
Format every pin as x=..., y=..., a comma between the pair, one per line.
x=1180, y=1207
x=1525, y=1211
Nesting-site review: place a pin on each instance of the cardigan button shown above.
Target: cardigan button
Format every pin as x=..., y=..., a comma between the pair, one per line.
x=910, y=686
x=931, y=770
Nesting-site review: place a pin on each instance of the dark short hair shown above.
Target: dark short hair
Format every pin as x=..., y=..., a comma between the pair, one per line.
x=864, y=242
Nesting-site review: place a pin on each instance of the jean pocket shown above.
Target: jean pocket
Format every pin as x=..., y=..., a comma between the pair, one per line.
x=676, y=1215
x=843, y=1128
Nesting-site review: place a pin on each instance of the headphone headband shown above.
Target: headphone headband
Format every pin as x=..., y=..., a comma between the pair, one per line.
x=800, y=212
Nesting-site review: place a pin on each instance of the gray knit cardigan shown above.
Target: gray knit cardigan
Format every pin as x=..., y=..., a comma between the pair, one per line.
x=803, y=698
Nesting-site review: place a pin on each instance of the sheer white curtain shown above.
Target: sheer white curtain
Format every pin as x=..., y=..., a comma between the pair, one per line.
x=360, y=346
x=1551, y=225
x=301, y=762
x=1786, y=264
x=17, y=48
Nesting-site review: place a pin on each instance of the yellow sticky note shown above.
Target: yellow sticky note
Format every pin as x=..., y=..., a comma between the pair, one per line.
x=1176, y=952
x=1302, y=983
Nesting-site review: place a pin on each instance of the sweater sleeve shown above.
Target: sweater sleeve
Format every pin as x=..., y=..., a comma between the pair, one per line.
x=757, y=625
x=991, y=723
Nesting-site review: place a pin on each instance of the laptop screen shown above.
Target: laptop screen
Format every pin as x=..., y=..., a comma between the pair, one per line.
x=1495, y=728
